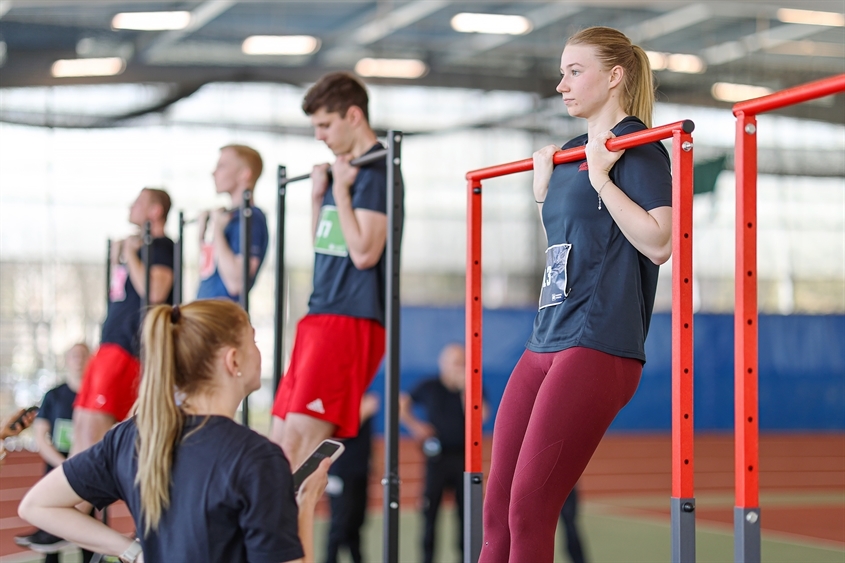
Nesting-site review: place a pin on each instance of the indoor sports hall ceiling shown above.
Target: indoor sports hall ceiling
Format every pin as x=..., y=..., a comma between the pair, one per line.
x=699, y=45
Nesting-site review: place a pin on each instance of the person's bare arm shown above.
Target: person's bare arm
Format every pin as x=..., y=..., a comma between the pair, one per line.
x=161, y=277
x=229, y=262
x=51, y=506
x=650, y=232
x=46, y=449
x=307, y=496
x=419, y=429
x=364, y=230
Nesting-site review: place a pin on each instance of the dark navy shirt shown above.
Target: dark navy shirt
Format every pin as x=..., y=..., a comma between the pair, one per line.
x=339, y=287
x=231, y=498
x=444, y=409
x=211, y=284
x=57, y=409
x=598, y=290
x=123, y=319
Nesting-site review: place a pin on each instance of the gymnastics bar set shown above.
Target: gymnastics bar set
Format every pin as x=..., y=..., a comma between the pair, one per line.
x=746, y=427
x=682, y=503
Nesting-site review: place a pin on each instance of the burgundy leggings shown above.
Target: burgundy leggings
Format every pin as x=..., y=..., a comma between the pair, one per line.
x=554, y=412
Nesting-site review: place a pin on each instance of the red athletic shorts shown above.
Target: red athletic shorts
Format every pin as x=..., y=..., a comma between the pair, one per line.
x=110, y=384
x=334, y=360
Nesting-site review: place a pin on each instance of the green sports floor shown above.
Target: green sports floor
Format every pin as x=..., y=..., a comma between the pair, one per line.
x=608, y=537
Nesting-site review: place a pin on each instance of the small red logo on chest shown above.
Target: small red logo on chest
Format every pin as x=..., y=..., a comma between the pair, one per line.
x=583, y=167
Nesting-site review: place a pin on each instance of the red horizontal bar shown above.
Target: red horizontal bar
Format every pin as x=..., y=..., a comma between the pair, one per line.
x=792, y=96
x=577, y=153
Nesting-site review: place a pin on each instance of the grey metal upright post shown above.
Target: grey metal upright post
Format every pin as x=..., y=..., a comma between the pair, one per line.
x=146, y=257
x=178, y=261
x=246, y=224
x=395, y=210
x=279, y=333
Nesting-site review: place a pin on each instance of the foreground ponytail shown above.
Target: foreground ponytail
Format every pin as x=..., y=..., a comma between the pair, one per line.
x=157, y=417
x=180, y=346
x=613, y=48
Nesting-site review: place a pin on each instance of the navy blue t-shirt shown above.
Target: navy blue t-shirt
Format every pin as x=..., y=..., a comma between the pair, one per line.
x=339, y=287
x=57, y=409
x=598, y=290
x=231, y=497
x=444, y=409
x=123, y=319
x=211, y=284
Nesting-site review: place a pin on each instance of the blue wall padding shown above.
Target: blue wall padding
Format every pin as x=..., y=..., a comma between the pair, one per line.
x=801, y=366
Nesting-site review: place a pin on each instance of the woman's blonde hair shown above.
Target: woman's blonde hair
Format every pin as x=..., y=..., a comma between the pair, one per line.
x=180, y=345
x=614, y=48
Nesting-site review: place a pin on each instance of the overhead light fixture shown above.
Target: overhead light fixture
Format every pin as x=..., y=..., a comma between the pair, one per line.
x=657, y=61
x=811, y=17
x=676, y=62
x=280, y=45
x=689, y=64
x=728, y=92
x=501, y=24
x=151, y=21
x=391, y=68
x=70, y=68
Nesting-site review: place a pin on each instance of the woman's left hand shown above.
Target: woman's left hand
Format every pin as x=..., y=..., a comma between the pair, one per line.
x=599, y=159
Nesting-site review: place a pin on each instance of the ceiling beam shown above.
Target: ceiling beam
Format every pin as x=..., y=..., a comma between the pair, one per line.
x=733, y=50
x=396, y=19
x=480, y=43
x=667, y=23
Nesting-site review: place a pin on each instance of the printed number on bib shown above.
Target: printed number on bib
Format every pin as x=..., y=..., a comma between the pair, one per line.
x=329, y=238
x=554, y=291
x=117, y=288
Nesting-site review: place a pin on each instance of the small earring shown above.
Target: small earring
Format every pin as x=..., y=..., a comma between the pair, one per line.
x=240, y=374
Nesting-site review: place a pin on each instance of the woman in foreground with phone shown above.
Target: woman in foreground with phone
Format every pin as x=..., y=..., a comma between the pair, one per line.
x=199, y=486
x=608, y=221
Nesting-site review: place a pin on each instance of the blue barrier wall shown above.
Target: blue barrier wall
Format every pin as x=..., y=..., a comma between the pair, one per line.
x=801, y=366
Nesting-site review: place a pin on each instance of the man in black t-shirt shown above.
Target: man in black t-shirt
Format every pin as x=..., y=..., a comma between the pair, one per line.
x=347, y=487
x=110, y=386
x=53, y=430
x=442, y=437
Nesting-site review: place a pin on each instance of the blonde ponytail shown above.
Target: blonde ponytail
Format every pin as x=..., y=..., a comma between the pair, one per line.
x=180, y=346
x=157, y=417
x=613, y=48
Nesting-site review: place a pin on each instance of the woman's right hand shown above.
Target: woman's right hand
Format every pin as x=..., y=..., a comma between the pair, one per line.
x=312, y=488
x=543, y=167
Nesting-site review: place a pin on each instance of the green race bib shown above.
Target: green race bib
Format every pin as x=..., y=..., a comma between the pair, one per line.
x=329, y=238
x=63, y=434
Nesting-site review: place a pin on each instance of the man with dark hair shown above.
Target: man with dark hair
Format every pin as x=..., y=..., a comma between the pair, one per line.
x=221, y=260
x=110, y=385
x=340, y=342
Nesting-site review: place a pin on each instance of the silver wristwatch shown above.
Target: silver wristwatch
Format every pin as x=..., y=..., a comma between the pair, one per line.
x=130, y=555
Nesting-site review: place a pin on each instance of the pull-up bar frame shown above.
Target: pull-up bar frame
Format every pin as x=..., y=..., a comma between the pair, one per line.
x=683, y=500
x=746, y=400
x=395, y=216
x=245, y=232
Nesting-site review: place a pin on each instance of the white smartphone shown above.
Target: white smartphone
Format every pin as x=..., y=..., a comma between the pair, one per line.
x=327, y=448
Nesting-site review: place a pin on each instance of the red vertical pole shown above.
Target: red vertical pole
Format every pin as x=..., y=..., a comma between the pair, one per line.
x=683, y=494
x=746, y=470
x=473, y=490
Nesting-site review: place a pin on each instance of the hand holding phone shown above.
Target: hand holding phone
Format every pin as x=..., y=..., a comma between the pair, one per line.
x=22, y=422
x=327, y=449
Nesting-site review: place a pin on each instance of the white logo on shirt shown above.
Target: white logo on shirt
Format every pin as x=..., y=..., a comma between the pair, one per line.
x=317, y=406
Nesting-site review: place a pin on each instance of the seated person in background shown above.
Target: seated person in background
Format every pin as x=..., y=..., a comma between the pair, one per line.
x=199, y=486
x=441, y=437
x=53, y=429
